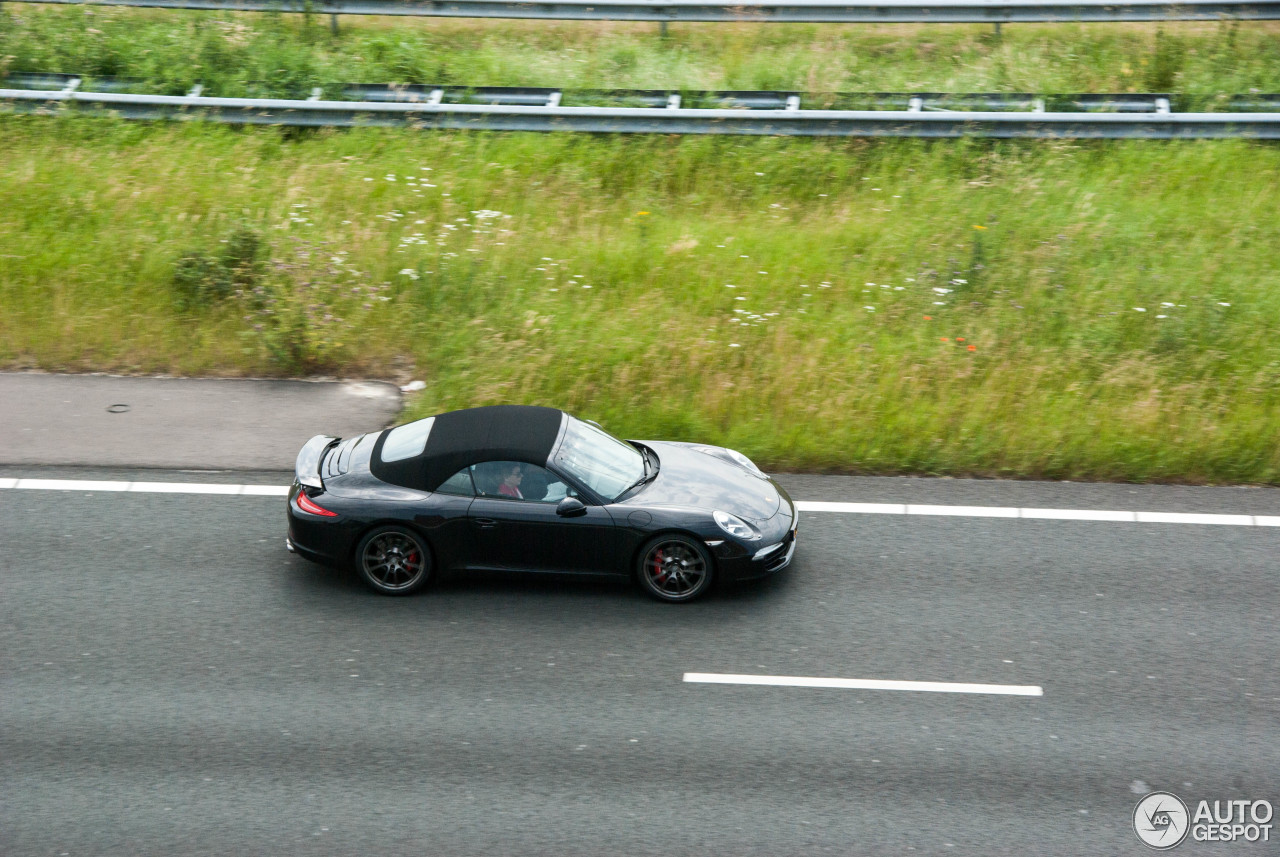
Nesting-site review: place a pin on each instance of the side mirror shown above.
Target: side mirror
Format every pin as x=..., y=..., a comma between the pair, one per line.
x=571, y=507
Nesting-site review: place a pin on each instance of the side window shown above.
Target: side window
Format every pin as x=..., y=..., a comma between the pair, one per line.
x=458, y=483
x=516, y=480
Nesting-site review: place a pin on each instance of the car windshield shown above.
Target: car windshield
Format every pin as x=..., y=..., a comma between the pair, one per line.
x=599, y=460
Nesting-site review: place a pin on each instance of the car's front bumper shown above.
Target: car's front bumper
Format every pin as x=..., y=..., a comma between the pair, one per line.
x=768, y=561
x=736, y=562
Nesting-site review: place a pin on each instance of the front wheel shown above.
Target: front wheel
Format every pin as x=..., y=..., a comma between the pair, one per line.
x=393, y=561
x=675, y=568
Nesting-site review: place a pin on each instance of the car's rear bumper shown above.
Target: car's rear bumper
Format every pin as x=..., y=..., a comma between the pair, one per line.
x=323, y=540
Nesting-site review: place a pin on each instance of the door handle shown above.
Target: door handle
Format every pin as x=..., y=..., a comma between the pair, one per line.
x=486, y=523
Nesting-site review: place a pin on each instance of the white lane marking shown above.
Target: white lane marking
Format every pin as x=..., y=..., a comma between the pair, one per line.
x=856, y=508
x=802, y=505
x=964, y=511
x=1039, y=514
x=184, y=488
x=1182, y=518
x=71, y=485
x=266, y=490
x=865, y=684
x=1079, y=515
x=146, y=487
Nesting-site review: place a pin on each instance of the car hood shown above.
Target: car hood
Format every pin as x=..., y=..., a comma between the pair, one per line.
x=688, y=477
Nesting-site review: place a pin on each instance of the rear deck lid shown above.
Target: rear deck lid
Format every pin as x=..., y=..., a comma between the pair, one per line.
x=307, y=467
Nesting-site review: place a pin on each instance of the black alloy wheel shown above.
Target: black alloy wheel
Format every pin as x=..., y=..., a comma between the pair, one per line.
x=393, y=561
x=675, y=568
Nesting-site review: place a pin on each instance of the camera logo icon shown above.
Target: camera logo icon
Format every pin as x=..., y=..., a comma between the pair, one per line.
x=1161, y=820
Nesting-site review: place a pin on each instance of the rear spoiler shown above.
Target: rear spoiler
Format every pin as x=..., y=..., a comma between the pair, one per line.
x=307, y=468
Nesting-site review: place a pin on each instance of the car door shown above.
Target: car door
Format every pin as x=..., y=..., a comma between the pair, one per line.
x=515, y=525
x=443, y=518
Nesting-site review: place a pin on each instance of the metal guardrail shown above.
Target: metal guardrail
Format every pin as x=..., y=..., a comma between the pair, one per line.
x=781, y=11
x=770, y=99
x=646, y=120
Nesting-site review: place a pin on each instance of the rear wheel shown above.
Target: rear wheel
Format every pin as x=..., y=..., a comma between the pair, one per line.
x=393, y=560
x=675, y=568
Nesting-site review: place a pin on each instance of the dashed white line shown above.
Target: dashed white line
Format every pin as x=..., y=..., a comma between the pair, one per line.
x=865, y=684
x=824, y=506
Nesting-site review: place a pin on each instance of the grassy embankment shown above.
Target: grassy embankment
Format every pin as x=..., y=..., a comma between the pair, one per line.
x=1034, y=309
x=255, y=54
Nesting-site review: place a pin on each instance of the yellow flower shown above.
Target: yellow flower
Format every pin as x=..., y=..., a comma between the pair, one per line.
x=642, y=213
x=976, y=226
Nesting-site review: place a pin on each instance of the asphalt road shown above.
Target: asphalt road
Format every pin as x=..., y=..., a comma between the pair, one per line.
x=173, y=682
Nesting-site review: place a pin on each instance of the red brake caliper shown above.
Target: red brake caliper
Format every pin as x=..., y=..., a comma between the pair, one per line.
x=661, y=574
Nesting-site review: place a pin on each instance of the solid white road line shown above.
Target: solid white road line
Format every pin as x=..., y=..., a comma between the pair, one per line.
x=865, y=684
x=802, y=505
x=1039, y=514
x=855, y=508
x=184, y=488
x=964, y=511
x=145, y=487
x=1079, y=515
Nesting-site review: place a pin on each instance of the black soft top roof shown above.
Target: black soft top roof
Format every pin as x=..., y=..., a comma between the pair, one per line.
x=461, y=438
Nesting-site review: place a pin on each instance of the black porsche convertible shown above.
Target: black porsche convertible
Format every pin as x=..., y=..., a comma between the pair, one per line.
x=520, y=488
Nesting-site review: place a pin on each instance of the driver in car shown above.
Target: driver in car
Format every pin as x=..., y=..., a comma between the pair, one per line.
x=510, y=486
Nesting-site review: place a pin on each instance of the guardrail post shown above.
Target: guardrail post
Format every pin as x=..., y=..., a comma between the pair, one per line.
x=673, y=102
x=195, y=91
x=1162, y=105
x=553, y=100
x=333, y=24
x=662, y=29
x=915, y=104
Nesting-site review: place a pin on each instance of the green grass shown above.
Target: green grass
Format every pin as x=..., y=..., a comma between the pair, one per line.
x=254, y=54
x=833, y=349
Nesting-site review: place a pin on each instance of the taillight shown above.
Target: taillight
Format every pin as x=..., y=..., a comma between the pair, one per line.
x=306, y=504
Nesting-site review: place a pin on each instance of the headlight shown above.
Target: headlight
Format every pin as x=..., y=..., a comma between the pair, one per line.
x=744, y=462
x=733, y=455
x=735, y=526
